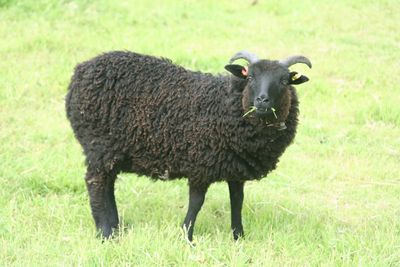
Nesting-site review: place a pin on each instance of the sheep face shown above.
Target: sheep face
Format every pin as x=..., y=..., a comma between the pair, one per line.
x=267, y=85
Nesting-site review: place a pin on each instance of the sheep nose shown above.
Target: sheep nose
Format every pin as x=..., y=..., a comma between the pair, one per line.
x=262, y=99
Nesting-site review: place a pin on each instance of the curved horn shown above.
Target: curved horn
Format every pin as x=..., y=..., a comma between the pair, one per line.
x=295, y=59
x=250, y=57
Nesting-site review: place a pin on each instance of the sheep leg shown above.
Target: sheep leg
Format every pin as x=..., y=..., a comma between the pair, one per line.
x=236, y=195
x=102, y=201
x=112, y=211
x=196, y=199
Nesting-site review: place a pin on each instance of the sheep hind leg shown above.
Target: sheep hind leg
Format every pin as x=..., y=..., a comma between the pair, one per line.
x=236, y=196
x=102, y=201
x=196, y=199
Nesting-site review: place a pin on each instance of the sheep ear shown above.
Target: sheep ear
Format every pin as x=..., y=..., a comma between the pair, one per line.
x=237, y=70
x=296, y=78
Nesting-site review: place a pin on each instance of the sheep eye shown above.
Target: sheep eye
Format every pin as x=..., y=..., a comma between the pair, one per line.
x=249, y=77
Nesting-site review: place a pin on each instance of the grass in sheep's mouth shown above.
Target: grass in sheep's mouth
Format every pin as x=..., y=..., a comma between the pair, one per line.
x=251, y=110
x=273, y=111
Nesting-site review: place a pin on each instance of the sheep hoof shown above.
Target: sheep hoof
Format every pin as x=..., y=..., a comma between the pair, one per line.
x=105, y=233
x=238, y=235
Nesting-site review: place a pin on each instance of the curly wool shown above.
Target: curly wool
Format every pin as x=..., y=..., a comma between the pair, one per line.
x=142, y=114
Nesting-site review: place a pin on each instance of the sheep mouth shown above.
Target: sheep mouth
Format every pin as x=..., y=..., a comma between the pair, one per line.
x=261, y=112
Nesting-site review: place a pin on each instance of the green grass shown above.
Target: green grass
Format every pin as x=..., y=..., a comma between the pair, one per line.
x=334, y=199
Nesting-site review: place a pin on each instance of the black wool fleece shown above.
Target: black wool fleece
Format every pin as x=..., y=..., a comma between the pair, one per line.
x=146, y=115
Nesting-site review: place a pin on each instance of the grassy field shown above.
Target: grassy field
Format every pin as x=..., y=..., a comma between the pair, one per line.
x=334, y=199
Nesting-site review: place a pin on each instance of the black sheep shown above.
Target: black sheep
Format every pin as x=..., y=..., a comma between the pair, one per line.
x=141, y=114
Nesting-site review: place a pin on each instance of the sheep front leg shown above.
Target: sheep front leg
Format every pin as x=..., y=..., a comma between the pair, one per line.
x=196, y=199
x=102, y=202
x=236, y=196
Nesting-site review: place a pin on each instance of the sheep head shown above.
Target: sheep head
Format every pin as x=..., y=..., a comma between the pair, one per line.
x=267, y=83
